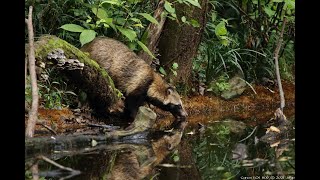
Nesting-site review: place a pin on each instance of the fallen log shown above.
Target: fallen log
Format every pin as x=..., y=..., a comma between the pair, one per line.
x=84, y=72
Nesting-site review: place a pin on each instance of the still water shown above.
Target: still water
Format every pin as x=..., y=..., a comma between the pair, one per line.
x=222, y=149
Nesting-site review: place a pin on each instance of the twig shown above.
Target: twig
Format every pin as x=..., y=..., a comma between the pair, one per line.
x=33, y=113
x=56, y=164
x=47, y=127
x=249, y=134
x=249, y=86
x=276, y=56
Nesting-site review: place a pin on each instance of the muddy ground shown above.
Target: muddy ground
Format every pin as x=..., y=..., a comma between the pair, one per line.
x=249, y=107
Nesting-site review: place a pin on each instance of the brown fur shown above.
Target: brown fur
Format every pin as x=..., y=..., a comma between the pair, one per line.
x=133, y=76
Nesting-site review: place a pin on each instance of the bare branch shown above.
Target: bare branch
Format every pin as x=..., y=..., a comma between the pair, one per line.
x=56, y=164
x=276, y=58
x=33, y=113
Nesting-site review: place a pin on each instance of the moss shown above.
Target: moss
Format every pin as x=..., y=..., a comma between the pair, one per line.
x=48, y=42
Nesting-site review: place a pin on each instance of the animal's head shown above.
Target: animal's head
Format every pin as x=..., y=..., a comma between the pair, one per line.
x=173, y=103
x=164, y=96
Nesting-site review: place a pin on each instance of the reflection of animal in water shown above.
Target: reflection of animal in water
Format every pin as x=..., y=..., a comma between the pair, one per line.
x=138, y=163
x=134, y=77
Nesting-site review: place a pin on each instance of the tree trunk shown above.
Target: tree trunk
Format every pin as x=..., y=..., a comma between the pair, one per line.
x=179, y=42
x=89, y=76
x=154, y=32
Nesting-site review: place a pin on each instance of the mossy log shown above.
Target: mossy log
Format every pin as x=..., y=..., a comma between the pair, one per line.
x=90, y=77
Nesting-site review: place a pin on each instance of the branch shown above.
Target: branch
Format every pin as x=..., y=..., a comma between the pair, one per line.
x=58, y=165
x=276, y=56
x=33, y=113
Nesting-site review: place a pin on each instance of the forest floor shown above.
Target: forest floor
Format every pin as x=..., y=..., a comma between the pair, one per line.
x=249, y=107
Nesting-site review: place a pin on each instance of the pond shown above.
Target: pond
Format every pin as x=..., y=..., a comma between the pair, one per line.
x=219, y=149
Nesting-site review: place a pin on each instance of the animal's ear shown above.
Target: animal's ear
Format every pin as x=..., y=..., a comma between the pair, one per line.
x=169, y=90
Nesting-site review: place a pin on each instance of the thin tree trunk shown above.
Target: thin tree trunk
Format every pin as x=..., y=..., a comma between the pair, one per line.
x=154, y=32
x=33, y=113
x=276, y=56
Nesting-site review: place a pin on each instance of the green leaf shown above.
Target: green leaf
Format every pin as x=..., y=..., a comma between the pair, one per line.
x=183, y=19
x=114, y=2
x=149, y=18
x=194, y=23
x=132, y=46
x=290, y=4
x=145, y=48
x=224, y=42
x=221, y=29
x=194, y=2
x=87, y=36
x=72, y=28
x=162, y=71
x=169, y=8
x=130, y=34
x=269, y=11
x=176, y=158
x=174, y=73
x=135, y=20
x=175, y=66
x=100, y=13
x=213, y=16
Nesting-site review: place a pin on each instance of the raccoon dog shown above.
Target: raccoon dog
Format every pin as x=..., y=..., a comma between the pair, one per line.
x=134, y=78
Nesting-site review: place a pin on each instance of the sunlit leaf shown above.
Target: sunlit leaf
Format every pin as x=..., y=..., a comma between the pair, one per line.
x=221, y=29
x=72, y=28
x=87, y=36
x=149, y=17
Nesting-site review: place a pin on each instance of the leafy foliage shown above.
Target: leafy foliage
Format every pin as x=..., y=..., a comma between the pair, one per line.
x=240, y=36
x=54, y=92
